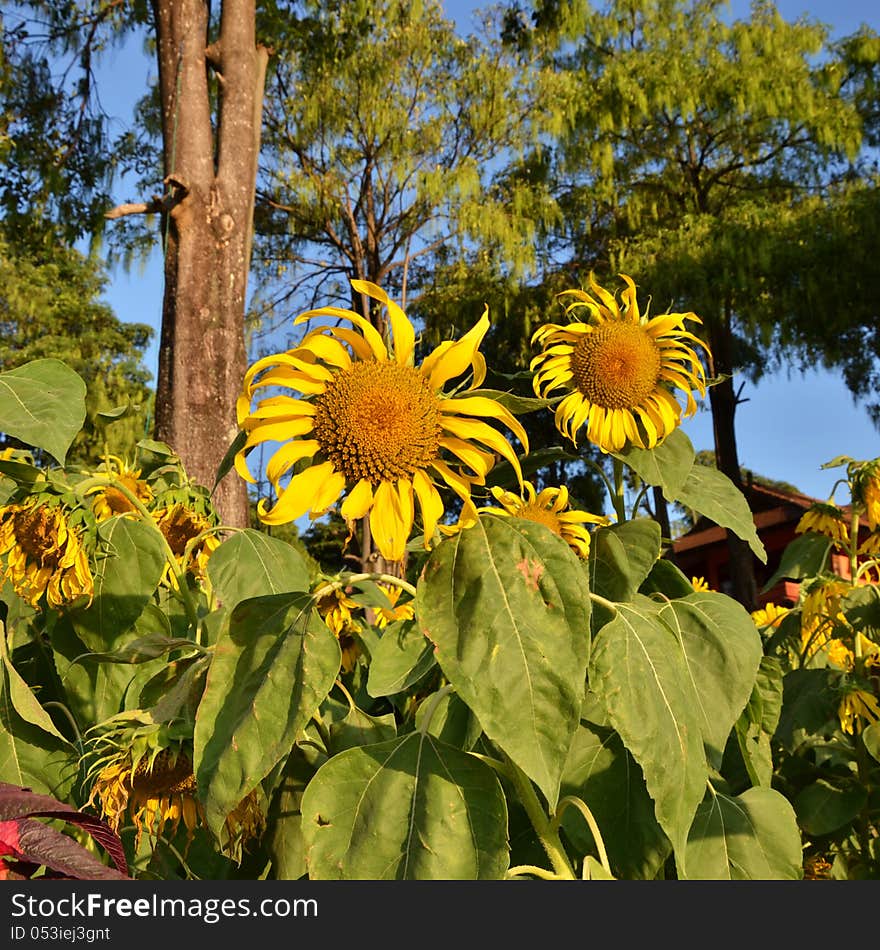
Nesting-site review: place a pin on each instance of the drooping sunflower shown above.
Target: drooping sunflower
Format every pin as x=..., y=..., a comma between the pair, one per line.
x=827, y=519
x=858, y=708
x=866, y=491
x=620, y=369
x=110, y=501
x=820, y=613
x=158, y=792
x=44, y=554
x=549, y=507
x=181, y=526
x=370, y=424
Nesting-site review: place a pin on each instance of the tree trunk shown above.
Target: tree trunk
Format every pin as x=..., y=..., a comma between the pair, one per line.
x=211, y=175
x=723, y=401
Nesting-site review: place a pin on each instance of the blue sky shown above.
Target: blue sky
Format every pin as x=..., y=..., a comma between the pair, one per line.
x=791, y=424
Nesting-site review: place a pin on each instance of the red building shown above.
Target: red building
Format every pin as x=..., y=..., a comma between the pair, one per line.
x=702, y=551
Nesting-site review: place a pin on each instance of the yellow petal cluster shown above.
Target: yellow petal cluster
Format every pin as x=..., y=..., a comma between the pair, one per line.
x=827, y=519
x=44, y=555
x=619, y=369
x=366, y=423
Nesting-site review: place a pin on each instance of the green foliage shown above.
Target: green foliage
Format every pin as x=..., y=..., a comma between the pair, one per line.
x=515, y=704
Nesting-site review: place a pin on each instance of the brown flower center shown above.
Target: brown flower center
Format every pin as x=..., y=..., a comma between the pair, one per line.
x=616, y=366
x=378, y=421
x=36, y=531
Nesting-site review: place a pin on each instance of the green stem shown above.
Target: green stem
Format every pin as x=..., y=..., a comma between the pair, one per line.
x=435, y=701
x=590, y=820
x=544, y=827
x=617, y=497
x=533, y=870
x=328, y=588
x=608, y=604
x=67, y=715
x=853, y=544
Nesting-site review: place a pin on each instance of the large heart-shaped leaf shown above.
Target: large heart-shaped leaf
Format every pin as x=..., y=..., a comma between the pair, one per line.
x=43, y=403
x=253, y=563
x=667, y=465
x=605, y=777
x=272, y=667
x=638, y=671
x=753, y=836
x=505, y=604
x=128, y=571
x=412, y=808
x=722, y=651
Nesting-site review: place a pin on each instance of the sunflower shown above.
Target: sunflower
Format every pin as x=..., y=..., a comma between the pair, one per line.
x=386, y=615
x=44, y=554
x=548, y=507
x=857, y=707
x=181, y=526
x=871, y=545
x=372, y=425
x=335, y=608
x=700, y=584
x=820, y=612
x=770, y=615
x=620, y=369
x=110, y=501
x=158, y=792
x=827, y=519
x=866, y=484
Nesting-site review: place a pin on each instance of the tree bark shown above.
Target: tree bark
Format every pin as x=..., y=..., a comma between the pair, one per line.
x=722, y=399
x=210, y=168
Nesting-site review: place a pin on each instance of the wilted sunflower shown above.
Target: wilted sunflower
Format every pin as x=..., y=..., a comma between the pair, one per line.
x=866, y=491
x=158, y=792
x=820, y=612
x=620, y=369
x=181, y=525
x=871, y=545
x=549, y=507
x=827, y=519
x=857, y=708
x=372, y=425
x=43, y=554
x=110, y=501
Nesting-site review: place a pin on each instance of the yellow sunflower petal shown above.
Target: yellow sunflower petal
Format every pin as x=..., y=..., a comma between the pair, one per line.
x=298, y=497
x=455, y=359
x=402, y=330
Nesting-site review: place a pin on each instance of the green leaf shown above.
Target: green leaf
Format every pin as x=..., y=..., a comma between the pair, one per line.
x=805, y=556
x=871, y=739
x=667, y=465
x=31, y=754
x=752, y=837
x=128, y=570
x=400, y=659
x=22, y=698
x=518, y=405
x=412, y=808
x=603, y=774
x=272, y=667
x=358, y=728
x=504, y=476
x=621, y=557
x=228, y=460
x=451, y=721
x=505, y=605
x=43, y=404
x=809, y=701
x=638, y=670
x=861, y=606
x=822, y=807
x=714, y=495
x=722, y=652
x=252, y=564
x=667, y=579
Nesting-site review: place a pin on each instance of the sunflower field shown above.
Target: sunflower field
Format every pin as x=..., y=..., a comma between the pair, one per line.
x=524, y=690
